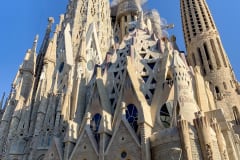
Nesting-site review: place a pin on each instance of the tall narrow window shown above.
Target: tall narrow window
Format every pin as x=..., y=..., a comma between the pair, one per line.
x=217, y=89
x=231, y=82
x=201, y=61
x=236, y=115
x=208, y=56
x=95, y=123
x=200, y=56
x=193, y=59
x=132, y=116
x=215, y=53
x=166, y=114
x=225, y=85
x=221, y=50
x=60, y=69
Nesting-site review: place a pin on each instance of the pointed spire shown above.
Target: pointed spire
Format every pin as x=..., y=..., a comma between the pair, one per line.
x=82, y=52
x=30, y=58
x=52, y=47
x=133, y=6
x=174, y=42
x=141, y=22
x=34, y=47
x=177, y=61
x=184, y=100
x=1, y=102
x=47, y=35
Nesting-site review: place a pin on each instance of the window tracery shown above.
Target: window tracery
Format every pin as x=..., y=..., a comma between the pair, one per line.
x=132, y=116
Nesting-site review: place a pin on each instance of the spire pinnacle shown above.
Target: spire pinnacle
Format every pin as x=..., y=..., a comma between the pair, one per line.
x=34, y=47
x=1, y=102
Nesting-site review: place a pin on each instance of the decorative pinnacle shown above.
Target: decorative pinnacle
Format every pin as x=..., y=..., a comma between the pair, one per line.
x=34, y=47
x=50, y=20
x=36, y=38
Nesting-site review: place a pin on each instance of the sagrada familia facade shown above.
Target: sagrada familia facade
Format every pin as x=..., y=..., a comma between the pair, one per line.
x=107, y=84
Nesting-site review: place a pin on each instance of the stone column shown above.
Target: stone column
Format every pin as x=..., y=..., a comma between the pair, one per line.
x=220, y=140
x=229, y=139
x=70, y=139
x=185, y=138
x=145, y=133
x=105, y=133
x=203, y=129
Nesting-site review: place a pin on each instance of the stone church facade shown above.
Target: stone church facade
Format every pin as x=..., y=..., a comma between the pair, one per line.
x=108, y=84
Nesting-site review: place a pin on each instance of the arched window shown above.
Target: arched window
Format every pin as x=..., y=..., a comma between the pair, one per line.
x=236, y=115
x=95, y=123
x=132, y=116
x=166, y=114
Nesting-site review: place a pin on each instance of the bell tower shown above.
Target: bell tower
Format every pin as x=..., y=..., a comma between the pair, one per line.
x=127, y=14
x=205, y=49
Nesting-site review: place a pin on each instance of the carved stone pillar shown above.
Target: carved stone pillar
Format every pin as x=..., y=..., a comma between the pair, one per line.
x=220, y=140
x=185, y=138
x=203, y=129
x=145, y=131
x=70, y=139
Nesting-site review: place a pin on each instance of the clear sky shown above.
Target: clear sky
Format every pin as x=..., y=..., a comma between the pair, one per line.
x=21, y=20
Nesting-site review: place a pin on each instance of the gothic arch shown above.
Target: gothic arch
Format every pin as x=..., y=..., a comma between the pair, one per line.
x=132, y=116
x=95, y=124
x=165, y=113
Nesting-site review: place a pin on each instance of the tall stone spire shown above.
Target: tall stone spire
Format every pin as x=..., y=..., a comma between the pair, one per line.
x=1, y=102
x=28, y=70
x=42, y=51
x=87, y=12
x=127, y=12
x=205, y=49
x=185, y=103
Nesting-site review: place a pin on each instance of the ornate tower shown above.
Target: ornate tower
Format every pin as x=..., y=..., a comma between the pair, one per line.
x=127, y=13
x=205, y=49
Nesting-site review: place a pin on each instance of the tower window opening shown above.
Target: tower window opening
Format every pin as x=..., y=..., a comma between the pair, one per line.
x=132, y=18
x=165, y=116
x=221, y=50
x=193, y=59
x=208, y=56
x=217, y=90
x=125, y=18
x=61, y=67
x=215, y=53
x=204, y=71
x=231, y=82
x=236, y=115
x=200, y=56
x=225, y=85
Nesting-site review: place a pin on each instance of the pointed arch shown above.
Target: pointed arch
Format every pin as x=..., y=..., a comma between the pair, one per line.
x=95, y=123
x=132, y=116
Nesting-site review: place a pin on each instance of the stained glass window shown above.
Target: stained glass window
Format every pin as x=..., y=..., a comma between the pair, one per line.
x=95, y=123
x=166, y=114
x=132, y=116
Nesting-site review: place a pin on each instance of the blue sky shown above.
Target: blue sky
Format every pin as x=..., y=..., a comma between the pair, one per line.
x=22, y=20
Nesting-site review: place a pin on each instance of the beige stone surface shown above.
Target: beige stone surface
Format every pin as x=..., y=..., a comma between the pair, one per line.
x=107, y=84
